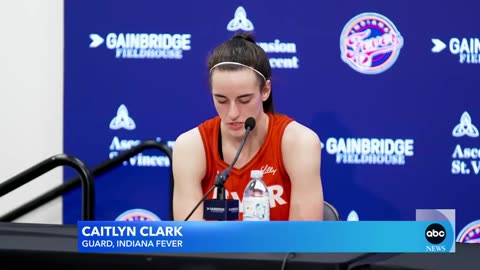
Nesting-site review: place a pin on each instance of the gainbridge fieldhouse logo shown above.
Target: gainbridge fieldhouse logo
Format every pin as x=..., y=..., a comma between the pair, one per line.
x=370, y=43
x=467, y=48
x=144, y=45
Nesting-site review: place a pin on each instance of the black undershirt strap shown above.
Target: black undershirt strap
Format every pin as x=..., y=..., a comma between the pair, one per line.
x=220, y=150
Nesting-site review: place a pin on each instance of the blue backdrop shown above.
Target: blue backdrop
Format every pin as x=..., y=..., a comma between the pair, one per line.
x=389, y=86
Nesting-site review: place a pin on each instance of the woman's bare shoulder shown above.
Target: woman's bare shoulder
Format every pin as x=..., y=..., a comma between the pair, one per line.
x=296, y=133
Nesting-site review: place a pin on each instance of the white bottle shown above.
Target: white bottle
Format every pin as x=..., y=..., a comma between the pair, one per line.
x=256, y=199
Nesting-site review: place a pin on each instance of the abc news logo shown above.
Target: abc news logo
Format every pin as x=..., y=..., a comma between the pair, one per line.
x=435, y=233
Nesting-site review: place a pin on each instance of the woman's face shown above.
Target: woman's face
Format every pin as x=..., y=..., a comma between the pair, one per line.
x=237, y=96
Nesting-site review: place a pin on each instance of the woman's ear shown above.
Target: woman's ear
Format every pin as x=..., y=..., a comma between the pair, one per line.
x=267, y=89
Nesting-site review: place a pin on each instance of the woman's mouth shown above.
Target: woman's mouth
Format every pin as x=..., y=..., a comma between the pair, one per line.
x=235, y=126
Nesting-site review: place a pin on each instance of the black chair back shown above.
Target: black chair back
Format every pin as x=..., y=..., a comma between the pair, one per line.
x=329, y=212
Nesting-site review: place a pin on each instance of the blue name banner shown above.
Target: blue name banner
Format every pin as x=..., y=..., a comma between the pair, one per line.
x=278, y=236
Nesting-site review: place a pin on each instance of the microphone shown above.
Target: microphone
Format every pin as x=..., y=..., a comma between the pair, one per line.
x=223, y=176
x=220, y=208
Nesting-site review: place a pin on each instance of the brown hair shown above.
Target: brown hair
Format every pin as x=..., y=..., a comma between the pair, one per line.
x=243, y=49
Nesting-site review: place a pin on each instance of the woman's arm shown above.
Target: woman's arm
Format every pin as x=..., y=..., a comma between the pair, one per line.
x=189, y=166
x=301, y=150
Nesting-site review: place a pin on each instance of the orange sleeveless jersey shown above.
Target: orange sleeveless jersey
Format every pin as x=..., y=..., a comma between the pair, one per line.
x=268, y=159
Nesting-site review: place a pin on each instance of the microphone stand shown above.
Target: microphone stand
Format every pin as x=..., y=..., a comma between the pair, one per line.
x=219, y=182
x=199, y=202
x=222, y=177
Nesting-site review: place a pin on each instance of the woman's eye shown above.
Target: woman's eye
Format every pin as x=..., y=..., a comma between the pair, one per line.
x=245, y=101
x=221, y=101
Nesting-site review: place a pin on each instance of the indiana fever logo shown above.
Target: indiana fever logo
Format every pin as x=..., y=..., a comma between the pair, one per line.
x=370, y=43
x=137, y=215
x=470, y=234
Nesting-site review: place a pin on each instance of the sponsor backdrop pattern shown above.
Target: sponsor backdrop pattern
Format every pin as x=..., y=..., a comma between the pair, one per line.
x=390, y=89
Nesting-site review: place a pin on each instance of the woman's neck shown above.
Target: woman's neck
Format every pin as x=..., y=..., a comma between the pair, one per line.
x=258, y=134
x=255, y=139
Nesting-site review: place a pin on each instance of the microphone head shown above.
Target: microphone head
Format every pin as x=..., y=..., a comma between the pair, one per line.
x=250, y=123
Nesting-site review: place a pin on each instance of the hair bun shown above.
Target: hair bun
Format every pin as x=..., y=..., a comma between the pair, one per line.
x=244, y=36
